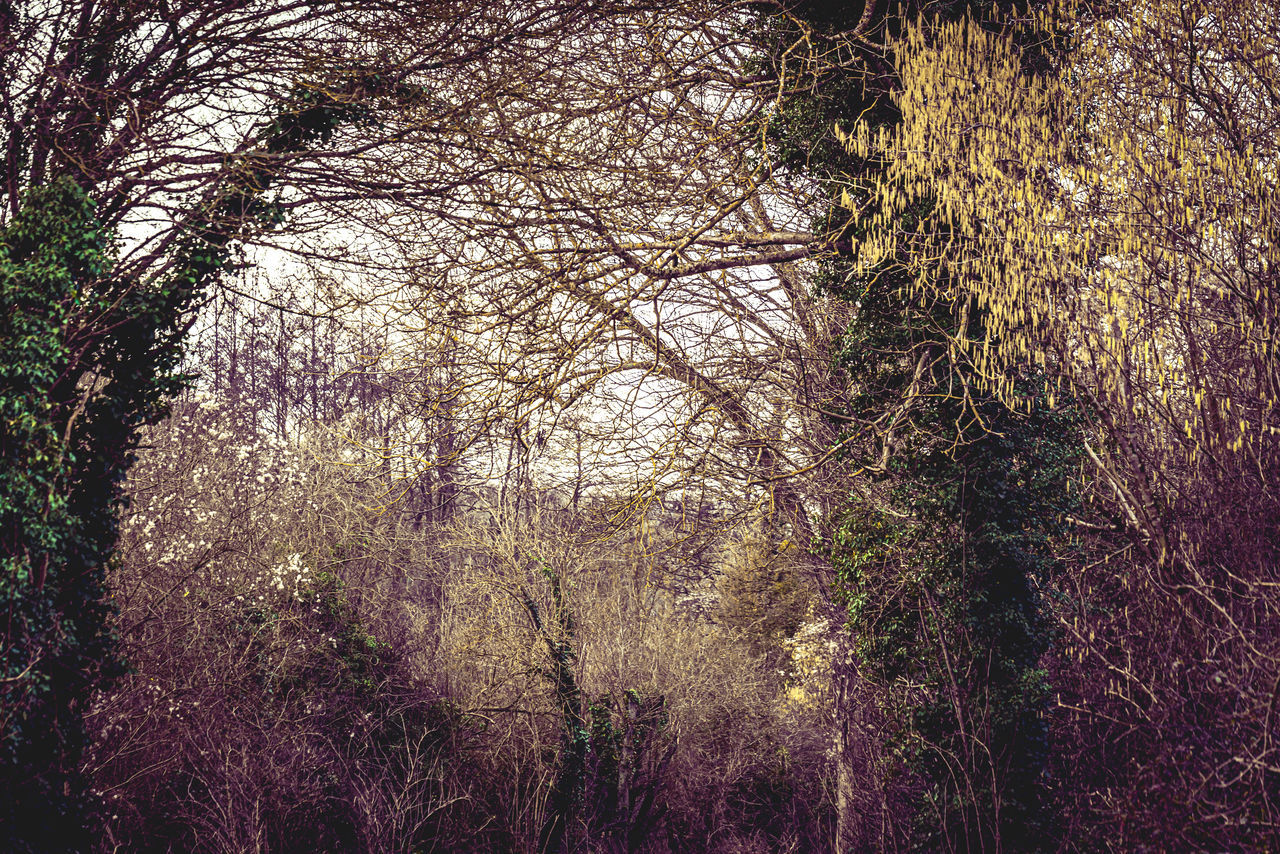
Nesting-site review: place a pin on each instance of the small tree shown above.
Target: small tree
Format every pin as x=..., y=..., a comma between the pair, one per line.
x=764, y=593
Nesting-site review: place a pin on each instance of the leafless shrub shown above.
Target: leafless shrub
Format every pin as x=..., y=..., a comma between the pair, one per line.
x=266, y=711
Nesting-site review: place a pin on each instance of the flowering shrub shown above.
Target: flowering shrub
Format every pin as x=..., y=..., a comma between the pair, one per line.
x=261, y=708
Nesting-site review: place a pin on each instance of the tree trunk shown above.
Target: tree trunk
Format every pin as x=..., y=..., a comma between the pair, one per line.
x=862, y=818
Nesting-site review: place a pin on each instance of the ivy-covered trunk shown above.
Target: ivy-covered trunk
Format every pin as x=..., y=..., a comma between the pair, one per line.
x=64, y=451
x=605, y=793
x=86, y=359
x=944, y=545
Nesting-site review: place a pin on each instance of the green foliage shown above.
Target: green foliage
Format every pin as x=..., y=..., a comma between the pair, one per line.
x=64, y=451
x=964, y=630
x=607, y=771
x=942, y=574
x=622, y=771
x=346, y=662
x=86, y=361
x=830, y=78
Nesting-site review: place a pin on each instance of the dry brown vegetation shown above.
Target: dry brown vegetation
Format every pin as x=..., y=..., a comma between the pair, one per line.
x=605, y=438
x=312, y=675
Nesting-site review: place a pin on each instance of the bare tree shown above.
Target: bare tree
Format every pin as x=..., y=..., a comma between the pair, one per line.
x=622, y=253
